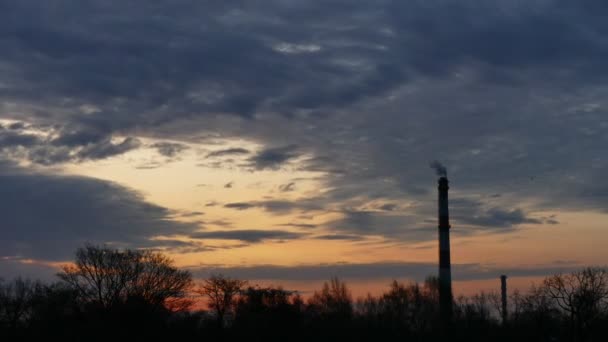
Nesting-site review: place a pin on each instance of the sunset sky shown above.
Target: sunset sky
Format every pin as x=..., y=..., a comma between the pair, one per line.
x=287, y=141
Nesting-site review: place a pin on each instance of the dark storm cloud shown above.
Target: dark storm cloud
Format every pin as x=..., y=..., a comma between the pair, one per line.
x=510, y=94
x=273, y=158
x=62, y=146
x=48, y=217
x=136, y=57
x=17, y=126
x=396, y=226
x=474, y=213
x=251, y=235
x=106, y=56
x=388, y=207
x=496, y=217
x=11, y=268
x=10, y=139
x=323, y=164
x=381, y=270
x=48, y=155
x=106, y=148
x=71, y=138
x=469, y=218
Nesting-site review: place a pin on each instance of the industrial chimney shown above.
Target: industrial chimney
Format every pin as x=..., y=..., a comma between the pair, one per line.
x=445, y=273
x=503, y=293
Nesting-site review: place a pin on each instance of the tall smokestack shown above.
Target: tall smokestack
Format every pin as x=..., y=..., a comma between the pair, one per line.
x=445, y=273
x=503, y=296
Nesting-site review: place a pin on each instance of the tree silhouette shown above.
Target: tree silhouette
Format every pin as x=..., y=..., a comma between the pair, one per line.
x=333, y=300
x=583, y=295
x=269, y=313
x=221, y=292
x=108, y=277
x=140, y=295
x=16, y=300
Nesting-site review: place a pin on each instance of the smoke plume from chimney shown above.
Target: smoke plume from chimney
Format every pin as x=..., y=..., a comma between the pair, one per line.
x=441, y=170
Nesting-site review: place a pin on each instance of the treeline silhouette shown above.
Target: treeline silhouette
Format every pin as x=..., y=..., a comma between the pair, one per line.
x=114, y=295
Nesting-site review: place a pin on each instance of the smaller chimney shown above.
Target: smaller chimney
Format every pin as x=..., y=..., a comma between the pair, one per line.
x=503, y=292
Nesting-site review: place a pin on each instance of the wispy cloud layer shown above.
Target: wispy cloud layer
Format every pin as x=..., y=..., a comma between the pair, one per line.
x=380, y=270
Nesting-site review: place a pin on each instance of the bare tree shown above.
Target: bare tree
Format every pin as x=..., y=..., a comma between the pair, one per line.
x=334, y=299
x=16, y=298
x=221, y=292
x=108, y=277
x=582, y=295
x=495, y=299
x=476, y=308
x=368, y=306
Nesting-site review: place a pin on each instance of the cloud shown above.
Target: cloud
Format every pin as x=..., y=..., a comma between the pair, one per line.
x=17, y=126
x=387, y=45
x=469, y=216
x=299, y=225
x=79, y=137
x=47, y=217
x=239, y=205
x=510, y=97
x=149, y=165
x=388, y=207
x=379, y=270
x=179, y=246
x=480, y=216
x=220, y=222
x=273, y=158
x=284, y=207
x=228, y=185
x=49, y=146
x=186, y=213
x=106, y=148
x=339, y=237
x=9, y=138
x=11, y=268
x=251, y=235
x=169, y=149
x=287, y=187
x=279, y=207
x=496, y=217
x=395, y=226
x=228, y=152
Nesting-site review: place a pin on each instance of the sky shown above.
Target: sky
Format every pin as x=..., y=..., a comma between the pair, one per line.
x=287, y=141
